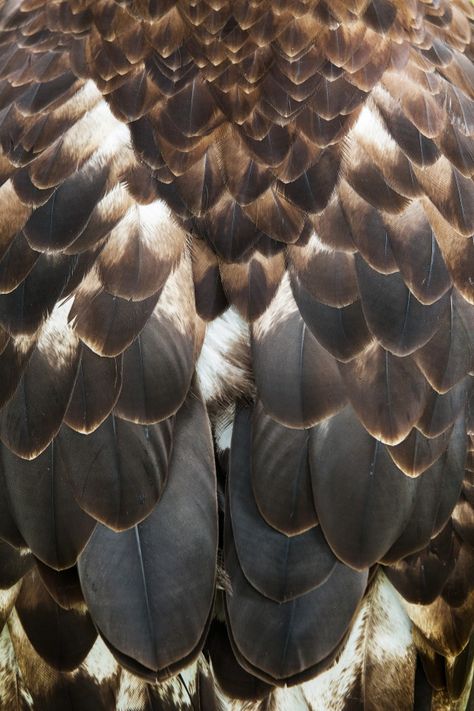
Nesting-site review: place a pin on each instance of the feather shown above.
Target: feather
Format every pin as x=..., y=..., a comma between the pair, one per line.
x=389, y=394
x=209, y=294
x=437, y=493
x=463, y=522
x=43, y=507
x=285, y=567
x=275, y=450
x=62, y=219
x=45, y=386
x=9, y=531
x=419, y=107
x=193, y=110
x=341, y=331
x=420, y=578
x=229, y=230
x=400, y=322
x=336, y=97
x=313, y=388
x=309, y=163
x=375, y=665
x=374, y=502
x=416, y=453
x=89, y=406
x=162, y=582
x=16, y=263
x=368, y=231
x=251, y=285
x=448, y=357
x=416, y=146
x=277, y=217
x=106, y=323
x=201, y=186
x=140, y=252
x=39, y=96
x=313, y=189
x=157, y=371
x=130, y=461
x=62, y=637
x=459, y=149
x=417, y=254
x=370, y=184
x=133, y=97
x=271, y=149
x=290, y=647
x=23, y=311
x=441, y=410
x=134, y=264
x=328, y=275
x=319, y=130
x=233, y=679
x=62, y=585
x=451, y=193
x=246, y=178
x=28, y=193
x=15, y=564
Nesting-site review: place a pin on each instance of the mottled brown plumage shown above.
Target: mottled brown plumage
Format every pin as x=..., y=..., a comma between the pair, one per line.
x=236, y=232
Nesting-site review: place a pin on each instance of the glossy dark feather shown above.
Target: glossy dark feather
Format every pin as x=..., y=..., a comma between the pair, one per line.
x=275, y=450
x=130, y=461
x=285, y=567
x=313, y=389
x=135, y=565
x=374, y=499
x=264, y=647
x=62, y=637
x=269, y=202
x=43, y=507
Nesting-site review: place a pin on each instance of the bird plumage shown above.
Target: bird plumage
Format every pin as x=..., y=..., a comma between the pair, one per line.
x=237, y=342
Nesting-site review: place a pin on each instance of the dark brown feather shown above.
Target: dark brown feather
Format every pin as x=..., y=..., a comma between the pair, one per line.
x=449, y=356
x=341, y=331
x=62, y=637
x=285, y=567
x=373, y=503
x=312, y=389
x=89, y=405
x=421, y=577
x=157, y=371
x=305, y=632
x=129, y=461
x=106, y=323
x=163, y=582
x=389, y=394
x=284, y=500
x=400, y=322
x=44, y=509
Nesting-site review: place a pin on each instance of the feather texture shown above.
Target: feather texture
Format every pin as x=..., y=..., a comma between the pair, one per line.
x=236, y=236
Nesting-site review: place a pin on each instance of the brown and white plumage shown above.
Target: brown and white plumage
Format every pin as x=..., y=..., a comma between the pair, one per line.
x=236, y=342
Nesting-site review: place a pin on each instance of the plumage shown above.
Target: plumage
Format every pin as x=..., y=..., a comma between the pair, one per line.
x=62, y=637
x=308, y=394
x=388, y=393
x=42, y=505
x=130, y=460
x=147, y=552
x=304, y=648
x=236, y=355
x=290, y=508
x=373, y=503
x=285, y=567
